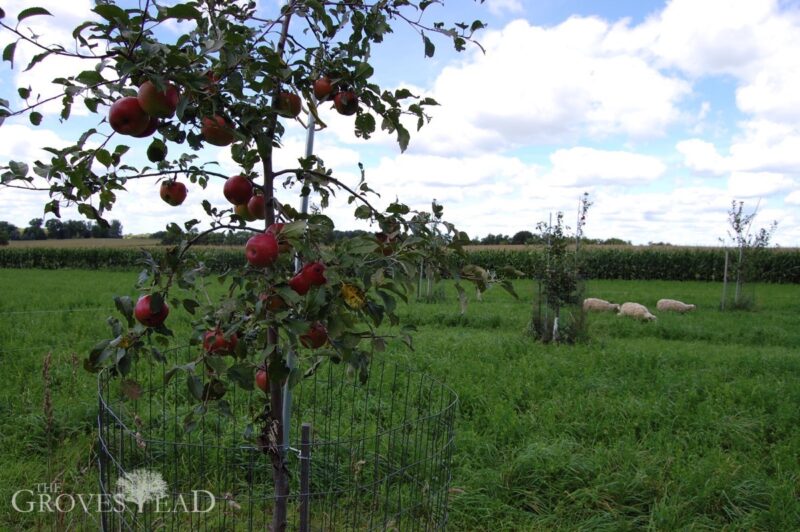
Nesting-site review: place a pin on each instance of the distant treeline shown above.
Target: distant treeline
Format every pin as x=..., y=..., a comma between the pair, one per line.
x=55, y=229
x=598, y=262
x=526, y=237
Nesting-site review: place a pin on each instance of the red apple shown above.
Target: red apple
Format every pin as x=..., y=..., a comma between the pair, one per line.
x=273, y=302
x=161, y=104
x=147, y=315
x=346, y=103
x=173, y=192
x=257, y=206
x=386, y=244
x=323, y=87
x=217, y=131
x=214, y=343
x=287, y=104
x=127, y=117
x=299, y=283
x=262, y=379
x=316, y=337
x=238, y=190
x=152, y=125
x=261, y=250
x=315, y=273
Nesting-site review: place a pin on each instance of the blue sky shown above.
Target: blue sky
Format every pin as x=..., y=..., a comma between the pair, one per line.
x=664, y=112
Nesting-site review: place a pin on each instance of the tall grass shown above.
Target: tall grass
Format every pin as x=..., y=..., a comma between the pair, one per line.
x=690, y=422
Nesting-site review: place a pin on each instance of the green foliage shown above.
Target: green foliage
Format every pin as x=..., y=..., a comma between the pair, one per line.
x=557, y=313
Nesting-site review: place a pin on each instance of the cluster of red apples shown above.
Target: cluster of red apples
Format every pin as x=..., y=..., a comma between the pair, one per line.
x=140, y=116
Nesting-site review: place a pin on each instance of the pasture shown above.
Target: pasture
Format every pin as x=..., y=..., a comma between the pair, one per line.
x=689, y=422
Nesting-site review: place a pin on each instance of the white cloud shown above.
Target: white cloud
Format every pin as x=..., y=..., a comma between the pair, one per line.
x=702, y=157
x=50, y=30
x=547, y=85
x=500, y=7
x=758, y=184
x=793, y=198
x=587, y=166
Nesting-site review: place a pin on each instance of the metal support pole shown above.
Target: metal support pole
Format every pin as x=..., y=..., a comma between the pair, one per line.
x=305, y=477
x=286, y=415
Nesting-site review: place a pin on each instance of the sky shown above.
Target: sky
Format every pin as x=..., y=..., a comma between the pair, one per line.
x=664, y=112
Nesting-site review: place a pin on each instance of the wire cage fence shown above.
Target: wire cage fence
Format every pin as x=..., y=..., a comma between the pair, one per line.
x=372, y=456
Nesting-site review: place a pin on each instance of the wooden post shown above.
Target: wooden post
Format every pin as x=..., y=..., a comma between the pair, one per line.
x=305, y=477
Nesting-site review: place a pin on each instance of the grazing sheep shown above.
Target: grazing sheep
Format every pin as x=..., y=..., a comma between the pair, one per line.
x=636, y=310
x=591, y=304
x=673, y=305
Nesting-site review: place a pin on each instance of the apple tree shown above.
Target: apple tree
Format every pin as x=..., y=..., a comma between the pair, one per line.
x=232, y=77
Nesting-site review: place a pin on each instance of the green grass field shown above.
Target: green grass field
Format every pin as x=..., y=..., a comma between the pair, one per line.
x=691, y=422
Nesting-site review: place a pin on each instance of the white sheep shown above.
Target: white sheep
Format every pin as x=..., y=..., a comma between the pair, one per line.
x=636, y=310
x=674, y=306
x=591, y=304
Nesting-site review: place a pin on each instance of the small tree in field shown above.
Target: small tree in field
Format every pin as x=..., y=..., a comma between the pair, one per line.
x=746, y=245
x=557, y=314
x=234, y=78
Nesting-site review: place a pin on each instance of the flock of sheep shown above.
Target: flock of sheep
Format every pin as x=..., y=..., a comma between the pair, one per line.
x=635, y=310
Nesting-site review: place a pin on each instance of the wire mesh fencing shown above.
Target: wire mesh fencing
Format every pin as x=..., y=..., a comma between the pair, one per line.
x=372, y=456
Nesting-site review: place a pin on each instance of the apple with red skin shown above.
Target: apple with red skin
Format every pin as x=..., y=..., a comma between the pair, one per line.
x=386, y=244
x=315, y=273
x=146, y=315
x=217, y=131
x=346, y=103
x=273, y=302
x=323, y=87
x=173, y=192
x=287, y=104
x=161, y=104
x=262, y=379
x=152, y=125
x=300, y=284
x=315, y=337
x=127, y=117
x=257, y=206
x=238, y=190
x=261, y=250
x=214, y=343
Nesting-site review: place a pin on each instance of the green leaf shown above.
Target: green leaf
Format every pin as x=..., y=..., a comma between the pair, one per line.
x=17, y=168
x=8, y=53
x=32, y=12
x=37, y=58
x=180, y=11
x=35, y=118
x=195, y=386
x=112, y=13
x=124, y=305
x=24, y=93
x=243, y=375
x=103, y=157
x=363, y=212
x=190, y=305
x=429, y=47
x=403, y=137
x=89, y=77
